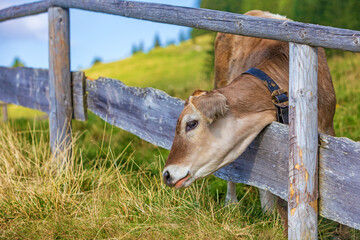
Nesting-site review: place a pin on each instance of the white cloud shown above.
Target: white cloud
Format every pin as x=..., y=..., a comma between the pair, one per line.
x=9, y=3
x=32, y=27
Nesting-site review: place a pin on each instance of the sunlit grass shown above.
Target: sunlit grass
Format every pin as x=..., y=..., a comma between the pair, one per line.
x=18, y=112
x=110, y=199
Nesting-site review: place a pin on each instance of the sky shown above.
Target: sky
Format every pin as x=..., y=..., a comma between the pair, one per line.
x=105, y=36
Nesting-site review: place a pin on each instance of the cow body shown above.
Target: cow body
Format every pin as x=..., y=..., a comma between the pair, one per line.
x=216, y=127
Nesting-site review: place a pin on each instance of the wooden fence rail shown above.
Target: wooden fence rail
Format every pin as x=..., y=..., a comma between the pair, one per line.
x=152, y=114
x=289, y=31
x=23, y=10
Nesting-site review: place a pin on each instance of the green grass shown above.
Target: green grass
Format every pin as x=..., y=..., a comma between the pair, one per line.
x=346, y=75
x=113, y=187
x=18, y=112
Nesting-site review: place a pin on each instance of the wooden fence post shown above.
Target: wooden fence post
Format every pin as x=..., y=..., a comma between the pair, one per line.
x=4, y=111
x=303, y=136
x=60, y=83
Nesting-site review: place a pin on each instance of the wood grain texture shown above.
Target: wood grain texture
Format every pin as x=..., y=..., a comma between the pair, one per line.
x=59, y=80
x=339, y=180
x=26, y=87
x=290, y=31
x=29, y=87
x=4, y=112
x=79, y=98
x=24, y=10
x=146, y=112
x=303, y=140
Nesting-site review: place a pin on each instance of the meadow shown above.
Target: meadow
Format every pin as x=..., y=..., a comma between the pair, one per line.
x=112, y=188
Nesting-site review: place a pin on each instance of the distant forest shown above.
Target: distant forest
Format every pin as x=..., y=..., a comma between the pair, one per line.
x=336, y=13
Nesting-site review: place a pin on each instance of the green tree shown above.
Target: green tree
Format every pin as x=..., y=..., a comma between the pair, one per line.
x=141, y=47
x=170, y=42
x=157, y=42
x=134, y=49
x=182, y=36
x=97, y=60
x=353, y=17
x=137, y=48
x=17, y=63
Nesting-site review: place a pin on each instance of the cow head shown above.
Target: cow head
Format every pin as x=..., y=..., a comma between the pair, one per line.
x=209, y=135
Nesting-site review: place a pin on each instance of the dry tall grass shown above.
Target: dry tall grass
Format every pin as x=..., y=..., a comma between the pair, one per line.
x=110, y=200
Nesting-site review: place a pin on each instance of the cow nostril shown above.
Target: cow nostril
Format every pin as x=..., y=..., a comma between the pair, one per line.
x=167, y=177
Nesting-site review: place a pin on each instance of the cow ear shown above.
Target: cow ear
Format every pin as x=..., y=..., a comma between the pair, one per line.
x=211, y=104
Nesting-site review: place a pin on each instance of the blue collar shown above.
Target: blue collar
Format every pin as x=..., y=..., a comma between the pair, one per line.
x=279, y=96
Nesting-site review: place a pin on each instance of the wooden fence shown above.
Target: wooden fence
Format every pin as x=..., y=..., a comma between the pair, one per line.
x=4, y=107
x=151, y=114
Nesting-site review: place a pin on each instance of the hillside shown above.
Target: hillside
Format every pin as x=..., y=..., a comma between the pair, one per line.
x=176, y=69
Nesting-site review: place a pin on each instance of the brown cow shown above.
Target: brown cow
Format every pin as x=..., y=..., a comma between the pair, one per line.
x=216, y=127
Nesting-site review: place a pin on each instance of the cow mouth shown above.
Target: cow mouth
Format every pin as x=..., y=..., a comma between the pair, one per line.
x=181, y=182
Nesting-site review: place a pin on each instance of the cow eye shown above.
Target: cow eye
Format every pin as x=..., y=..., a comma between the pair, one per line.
x=191, y=125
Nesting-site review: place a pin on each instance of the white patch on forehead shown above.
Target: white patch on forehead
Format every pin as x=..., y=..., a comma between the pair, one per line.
x=190, y=116
x=191, y=104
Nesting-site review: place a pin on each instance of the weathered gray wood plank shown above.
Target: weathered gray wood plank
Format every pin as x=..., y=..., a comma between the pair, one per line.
x=290, y=31
x=29, y=87
x=24, y=10
x=146, y=112
x=59, y=81
x=4, y=107
x=303, y=142
x=26, y=87
x=79, y=98
x=339, y=180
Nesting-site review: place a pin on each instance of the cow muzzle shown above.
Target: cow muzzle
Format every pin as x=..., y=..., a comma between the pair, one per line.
x=177, y=177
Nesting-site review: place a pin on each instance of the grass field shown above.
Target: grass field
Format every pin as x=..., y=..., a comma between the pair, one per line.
x=113, y=188
x=346, y=77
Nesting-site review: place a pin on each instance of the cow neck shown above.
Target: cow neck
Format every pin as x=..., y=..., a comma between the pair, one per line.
x=279, y=96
